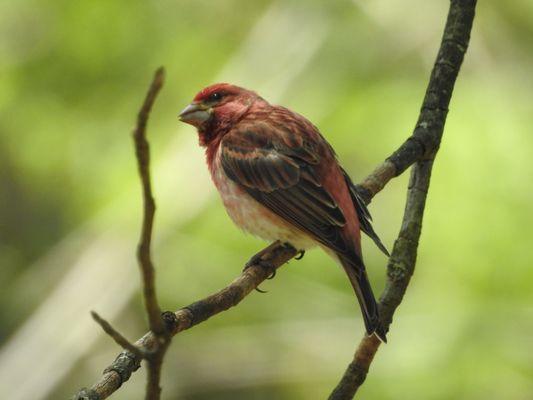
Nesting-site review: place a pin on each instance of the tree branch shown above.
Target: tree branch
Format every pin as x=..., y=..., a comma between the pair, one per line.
x=155, y=356
x=126, y=363
x=116, y=335
x=142, y=150
x=129, y=360
x=427, y=134
x=421, y=146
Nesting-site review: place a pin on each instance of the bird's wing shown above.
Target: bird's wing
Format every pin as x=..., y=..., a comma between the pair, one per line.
x=280, y=171
x=365, y=219
x=281, y=168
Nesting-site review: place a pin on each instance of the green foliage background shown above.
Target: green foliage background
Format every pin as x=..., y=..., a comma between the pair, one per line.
x=72, y=77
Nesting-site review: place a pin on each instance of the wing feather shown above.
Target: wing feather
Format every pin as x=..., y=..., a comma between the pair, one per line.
x=285, y=180
x=365, y=219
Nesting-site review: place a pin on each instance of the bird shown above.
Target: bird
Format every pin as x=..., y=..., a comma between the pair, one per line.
x=280, y=180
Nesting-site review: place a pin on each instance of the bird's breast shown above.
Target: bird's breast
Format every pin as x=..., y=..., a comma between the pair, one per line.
x=251, y=216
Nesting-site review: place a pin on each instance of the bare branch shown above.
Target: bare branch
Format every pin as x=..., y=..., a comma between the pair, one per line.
x=116, y=336
x=421, y=146
x=425, y=140
x=142, y=151
x=126, y=363
x=129, y=360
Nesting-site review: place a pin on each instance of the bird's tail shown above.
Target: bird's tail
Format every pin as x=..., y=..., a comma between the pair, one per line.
x=369, y=307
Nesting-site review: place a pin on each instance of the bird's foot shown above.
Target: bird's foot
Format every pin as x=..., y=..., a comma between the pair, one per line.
x=300, y=255
x=265, y=264
x=262, y=260
x=258, y=260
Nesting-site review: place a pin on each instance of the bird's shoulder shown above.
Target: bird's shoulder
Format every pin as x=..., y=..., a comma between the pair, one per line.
x=278, y=130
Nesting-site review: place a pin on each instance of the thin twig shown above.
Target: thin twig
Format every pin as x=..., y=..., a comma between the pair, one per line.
x=129, y=360
x=116, y=335
x=423, y=146
x=142, y=151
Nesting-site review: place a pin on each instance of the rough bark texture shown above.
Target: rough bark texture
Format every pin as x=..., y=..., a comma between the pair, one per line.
x=421, y=147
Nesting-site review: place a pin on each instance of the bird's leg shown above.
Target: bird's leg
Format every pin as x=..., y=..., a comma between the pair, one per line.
x=300, y=255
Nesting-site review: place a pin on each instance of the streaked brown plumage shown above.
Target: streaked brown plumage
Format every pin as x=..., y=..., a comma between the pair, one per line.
x=280, y=180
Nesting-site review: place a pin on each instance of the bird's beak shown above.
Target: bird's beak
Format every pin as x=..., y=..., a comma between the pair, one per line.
x=195, y=114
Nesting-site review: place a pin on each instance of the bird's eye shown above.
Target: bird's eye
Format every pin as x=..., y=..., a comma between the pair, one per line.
x=215, y=96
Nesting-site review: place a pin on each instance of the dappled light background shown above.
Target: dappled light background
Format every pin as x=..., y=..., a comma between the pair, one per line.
x=72, y=76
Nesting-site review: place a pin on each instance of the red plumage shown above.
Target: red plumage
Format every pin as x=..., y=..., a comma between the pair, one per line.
x=279, y=179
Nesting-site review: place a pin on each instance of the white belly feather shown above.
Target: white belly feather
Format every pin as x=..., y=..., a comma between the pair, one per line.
x=253, y=217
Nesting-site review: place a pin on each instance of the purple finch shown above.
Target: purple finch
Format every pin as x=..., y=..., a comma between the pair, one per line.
x=279, y=179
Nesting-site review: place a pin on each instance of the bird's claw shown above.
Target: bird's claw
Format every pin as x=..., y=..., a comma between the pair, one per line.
x=269, y=267
x=266, y=265
x=300, y=255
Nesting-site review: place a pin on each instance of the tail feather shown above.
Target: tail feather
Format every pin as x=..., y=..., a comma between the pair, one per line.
x=365, y=296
